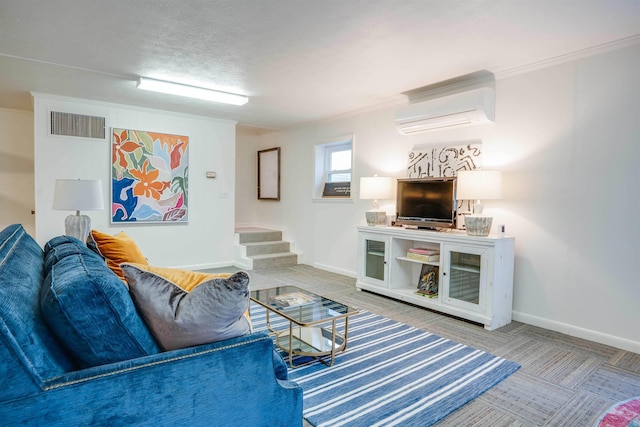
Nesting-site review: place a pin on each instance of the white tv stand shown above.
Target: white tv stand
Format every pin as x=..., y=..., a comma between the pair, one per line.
x=475, y=277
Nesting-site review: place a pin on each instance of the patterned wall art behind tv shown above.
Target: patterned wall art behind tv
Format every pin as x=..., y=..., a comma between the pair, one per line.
x=425, y=162
x=149, y=177
x=447, y=160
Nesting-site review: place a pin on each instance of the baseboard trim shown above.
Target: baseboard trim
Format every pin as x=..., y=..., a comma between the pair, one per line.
x=575, y=331
x=331, y=269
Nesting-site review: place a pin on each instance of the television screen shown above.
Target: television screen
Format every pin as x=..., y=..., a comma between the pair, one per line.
x=427, y=202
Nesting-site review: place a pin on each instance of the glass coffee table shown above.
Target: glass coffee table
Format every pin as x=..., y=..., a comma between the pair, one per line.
x=312, y=322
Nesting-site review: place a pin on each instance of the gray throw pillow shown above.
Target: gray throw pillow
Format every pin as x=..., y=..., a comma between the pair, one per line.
x=186, y=314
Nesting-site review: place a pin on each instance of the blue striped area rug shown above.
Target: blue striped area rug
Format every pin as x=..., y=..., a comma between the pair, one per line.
x=391, y=374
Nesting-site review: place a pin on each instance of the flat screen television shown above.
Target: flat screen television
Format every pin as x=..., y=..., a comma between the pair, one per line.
x=426, y=202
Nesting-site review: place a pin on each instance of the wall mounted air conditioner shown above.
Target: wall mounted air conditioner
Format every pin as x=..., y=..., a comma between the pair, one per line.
x=472, y=107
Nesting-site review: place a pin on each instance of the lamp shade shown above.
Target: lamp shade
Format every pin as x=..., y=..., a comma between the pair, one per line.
x=479, y=185
x=78, y=195
x=376, y=187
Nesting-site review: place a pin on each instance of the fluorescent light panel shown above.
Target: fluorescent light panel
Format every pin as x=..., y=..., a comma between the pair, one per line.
x=191, y=91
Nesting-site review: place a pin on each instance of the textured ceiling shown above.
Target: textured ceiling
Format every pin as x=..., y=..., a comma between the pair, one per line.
x=297, y=60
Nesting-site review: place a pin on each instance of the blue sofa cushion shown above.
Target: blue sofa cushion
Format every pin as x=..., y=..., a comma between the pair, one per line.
x=61, y=246
x=29, y=353
x=89, y=309
x=178, y=318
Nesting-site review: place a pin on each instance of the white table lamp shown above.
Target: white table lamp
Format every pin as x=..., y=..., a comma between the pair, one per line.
x=78, y=195
x=478, y=185
x=376, y=188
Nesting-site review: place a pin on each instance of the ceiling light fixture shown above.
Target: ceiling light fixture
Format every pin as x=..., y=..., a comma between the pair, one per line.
x=191, y=91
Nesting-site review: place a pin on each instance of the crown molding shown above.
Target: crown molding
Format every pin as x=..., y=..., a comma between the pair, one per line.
x=572, y=56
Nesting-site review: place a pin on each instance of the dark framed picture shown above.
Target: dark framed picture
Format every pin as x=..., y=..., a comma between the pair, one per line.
x=269, y=174
x=428, y=282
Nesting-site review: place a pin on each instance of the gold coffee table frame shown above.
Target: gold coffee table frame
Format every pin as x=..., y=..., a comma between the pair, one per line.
x=312, y=327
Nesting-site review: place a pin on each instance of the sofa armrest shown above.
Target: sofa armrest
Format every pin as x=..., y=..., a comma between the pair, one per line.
x=232, y=380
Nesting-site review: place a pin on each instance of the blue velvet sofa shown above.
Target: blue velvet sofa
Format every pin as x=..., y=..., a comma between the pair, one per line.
x=238, y=382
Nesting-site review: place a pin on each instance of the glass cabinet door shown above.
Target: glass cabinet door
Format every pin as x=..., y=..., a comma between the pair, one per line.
x=374, y=263
x=375, y=260
x=464, y=277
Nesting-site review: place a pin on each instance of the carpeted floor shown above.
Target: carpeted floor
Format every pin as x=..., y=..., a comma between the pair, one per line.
x=563, y=381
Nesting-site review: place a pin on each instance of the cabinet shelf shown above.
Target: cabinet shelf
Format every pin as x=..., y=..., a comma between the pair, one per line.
x=415, y=261
x=375, y=253
x=408, y=294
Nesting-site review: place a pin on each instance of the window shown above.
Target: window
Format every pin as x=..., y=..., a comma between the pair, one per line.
x=334, y=162
x=338, y=163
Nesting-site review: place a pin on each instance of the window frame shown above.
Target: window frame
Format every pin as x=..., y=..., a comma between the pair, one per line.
x=322, y=158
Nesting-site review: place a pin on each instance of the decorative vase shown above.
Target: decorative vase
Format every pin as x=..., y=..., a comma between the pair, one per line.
x=478, y=225
x=375, y=218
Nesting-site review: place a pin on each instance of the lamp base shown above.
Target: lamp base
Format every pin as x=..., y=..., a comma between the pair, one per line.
x=375, y=218
x=478, y=225
x=77, y=226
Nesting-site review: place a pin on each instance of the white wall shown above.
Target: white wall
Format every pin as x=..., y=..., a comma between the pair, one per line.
x=205, y=242
x=246, y=171
x=16, y=169
x=567, y=139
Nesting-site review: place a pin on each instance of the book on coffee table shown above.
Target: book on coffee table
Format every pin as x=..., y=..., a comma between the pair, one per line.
x=291, y=299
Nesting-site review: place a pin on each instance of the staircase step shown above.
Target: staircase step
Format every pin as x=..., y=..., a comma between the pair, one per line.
x=259, y=235
x=263, y=248
x=263, y=262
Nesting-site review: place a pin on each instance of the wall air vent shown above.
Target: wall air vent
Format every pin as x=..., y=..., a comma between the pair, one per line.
x=462, y=109
x=67, y=124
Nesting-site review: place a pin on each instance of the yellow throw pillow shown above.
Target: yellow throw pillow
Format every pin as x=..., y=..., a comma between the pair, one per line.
x=184, y=279
x=118, y=249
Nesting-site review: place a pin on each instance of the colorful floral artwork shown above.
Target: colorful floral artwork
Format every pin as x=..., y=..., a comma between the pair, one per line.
x=149, y=177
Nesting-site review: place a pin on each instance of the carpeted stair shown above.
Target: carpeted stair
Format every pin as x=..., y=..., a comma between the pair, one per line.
x=262, y=248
